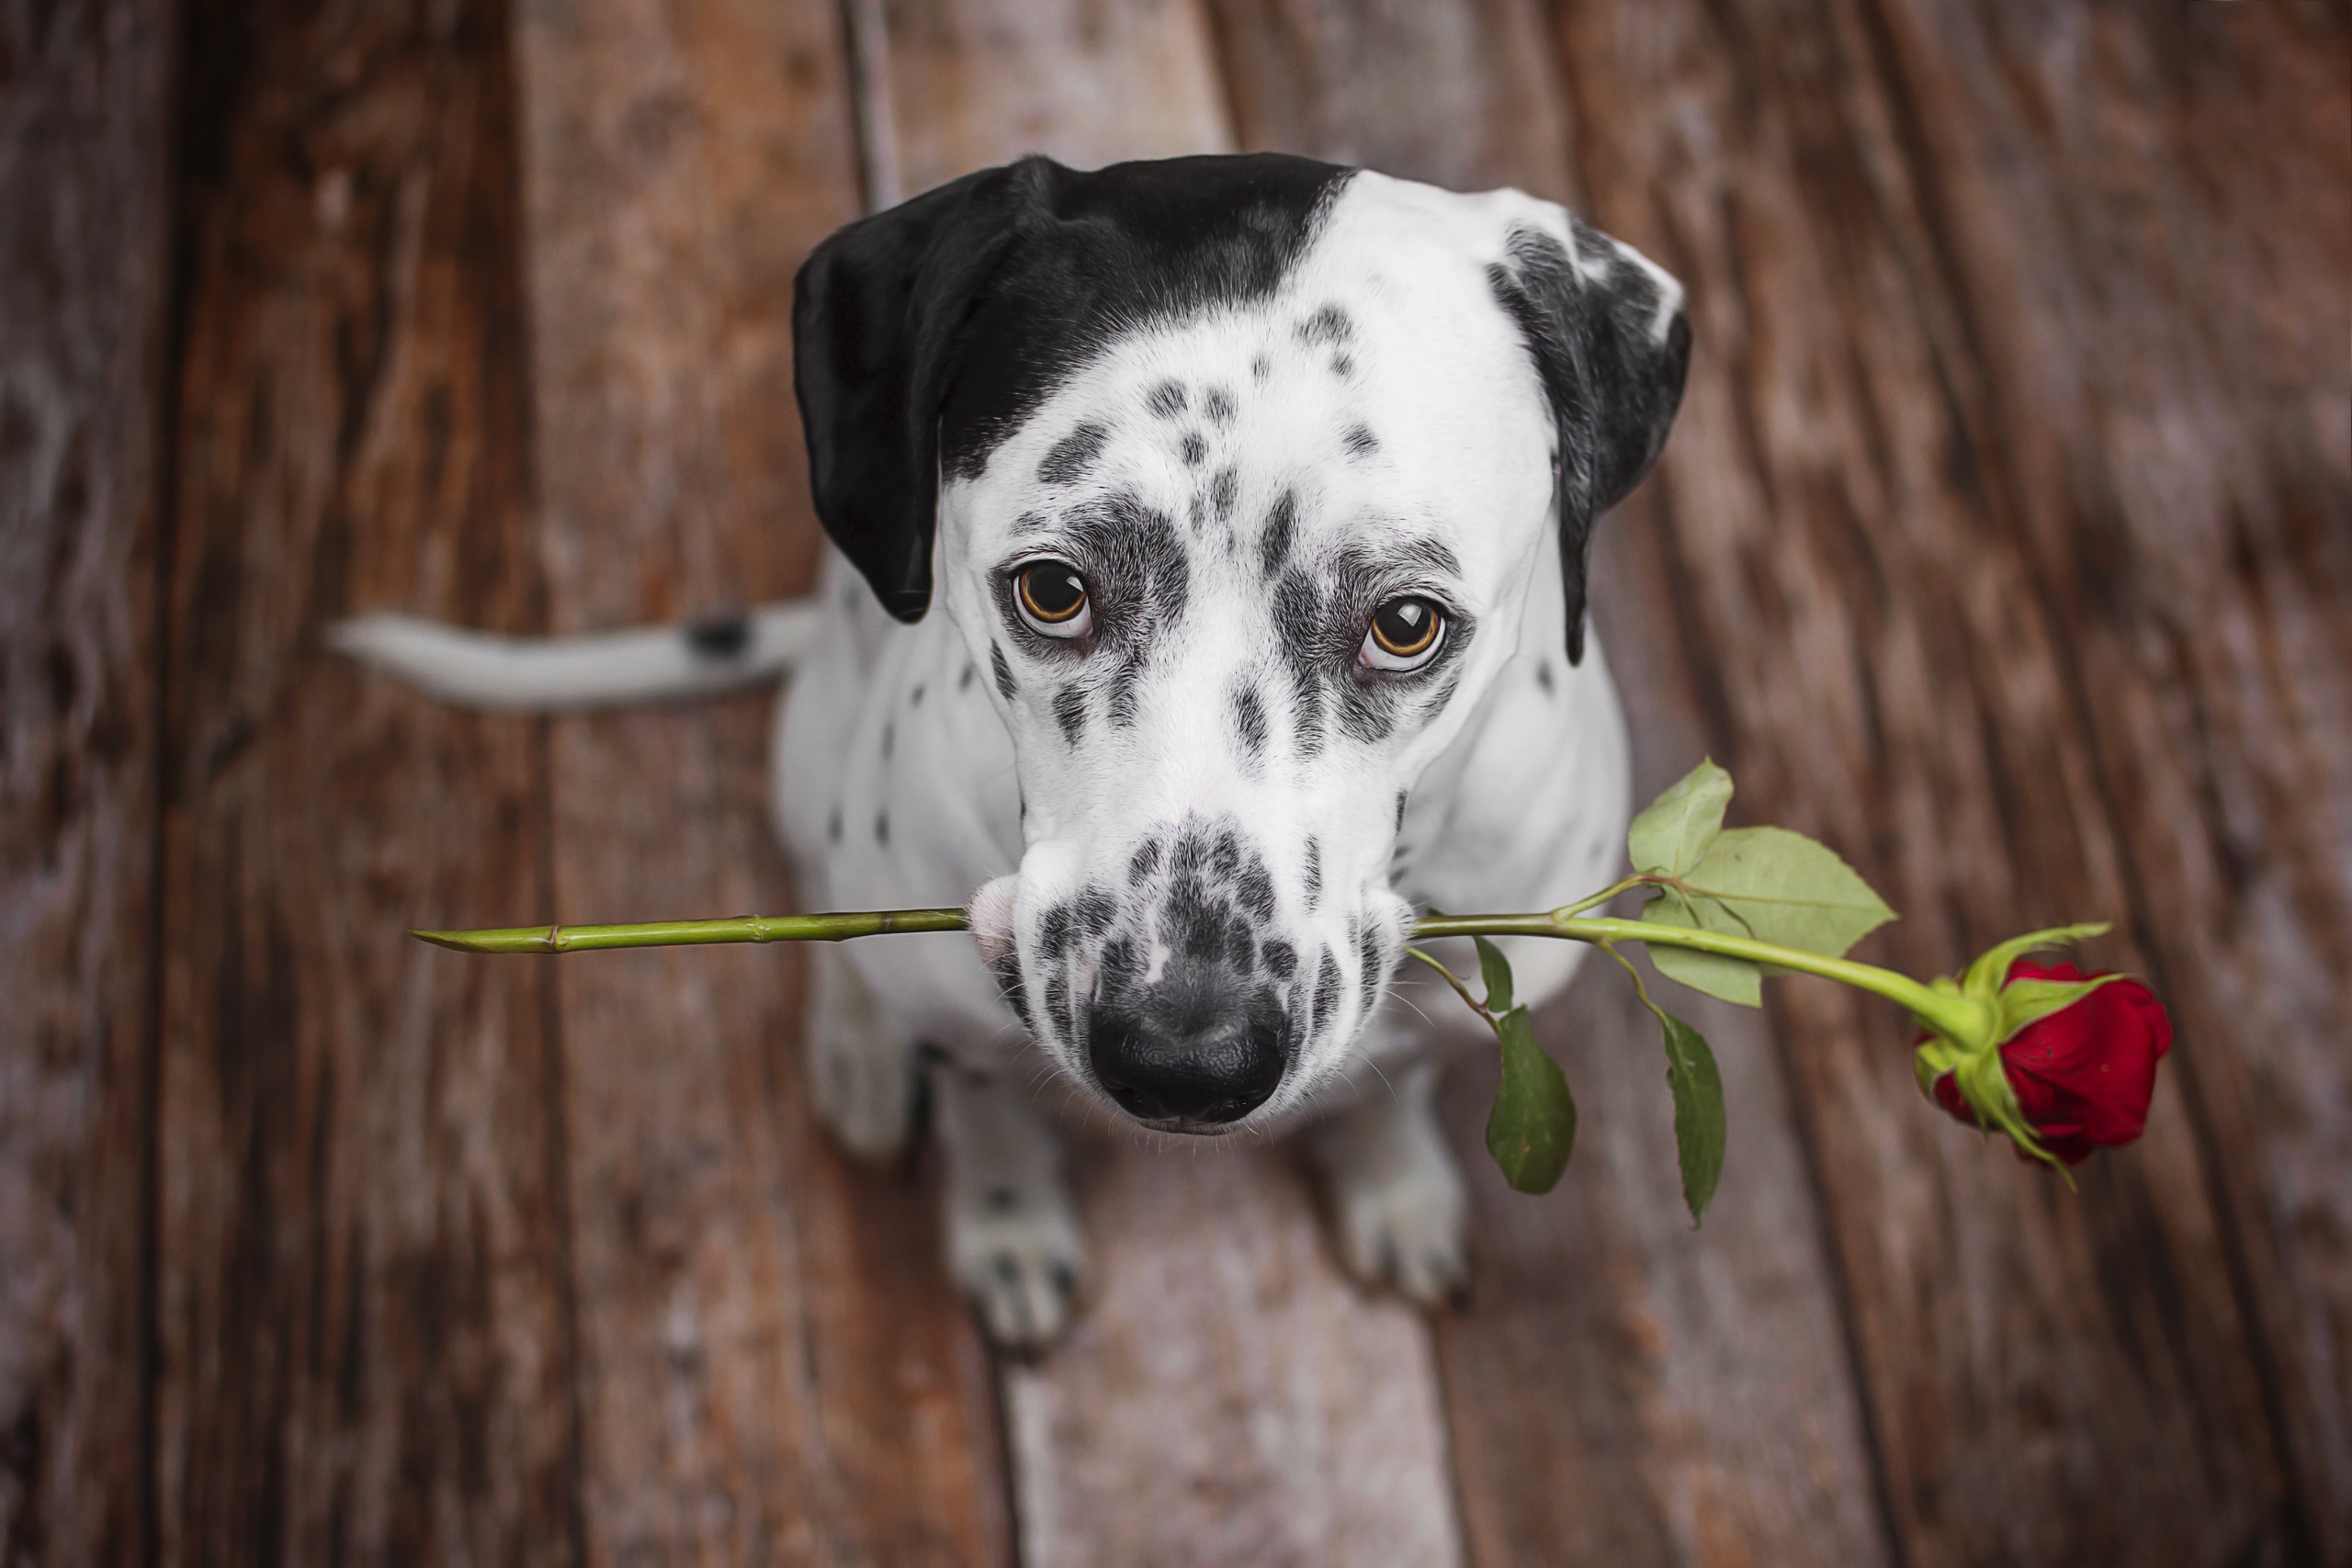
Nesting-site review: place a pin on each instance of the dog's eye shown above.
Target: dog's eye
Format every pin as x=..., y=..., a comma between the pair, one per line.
x=1053, y=599
x=1405, y=635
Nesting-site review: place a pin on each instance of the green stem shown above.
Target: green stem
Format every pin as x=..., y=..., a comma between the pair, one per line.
x=1932, y=1006
x=698, y=933
x=1951, y=1012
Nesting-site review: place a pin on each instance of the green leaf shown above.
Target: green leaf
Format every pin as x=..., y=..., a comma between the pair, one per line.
x=1698, y=1124
x=1670, y=835
x=1494, y=969
x=1782, y=887
x=1733, y=979
x=1534, y=1119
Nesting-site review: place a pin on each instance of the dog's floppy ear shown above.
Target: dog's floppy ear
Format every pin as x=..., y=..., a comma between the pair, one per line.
x=877, y=314
x=1610, y=344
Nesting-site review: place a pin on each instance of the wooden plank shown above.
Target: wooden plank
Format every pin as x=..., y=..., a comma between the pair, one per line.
x=1620, y=1390
x=1089, y=82
x=1228, y=1396
x=1460, y=95
x=2148, y=220
x=2052, y=1376
x=83, y=224
x=1225, y=1397
x=364, y=1335
x=773, y=1365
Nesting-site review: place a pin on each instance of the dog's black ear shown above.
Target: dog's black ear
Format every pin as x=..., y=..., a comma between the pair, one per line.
x=878, y=312
x=1611, y=345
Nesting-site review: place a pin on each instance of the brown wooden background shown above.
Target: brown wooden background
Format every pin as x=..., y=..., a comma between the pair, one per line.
x=2005, y=539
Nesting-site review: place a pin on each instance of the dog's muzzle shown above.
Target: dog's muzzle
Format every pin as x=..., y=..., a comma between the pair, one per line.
x=1193, y=1052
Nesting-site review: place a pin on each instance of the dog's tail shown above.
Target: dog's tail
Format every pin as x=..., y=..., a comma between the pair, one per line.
x=547, y=674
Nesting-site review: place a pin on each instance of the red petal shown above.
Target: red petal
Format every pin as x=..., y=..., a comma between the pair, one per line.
x=2084, y=1075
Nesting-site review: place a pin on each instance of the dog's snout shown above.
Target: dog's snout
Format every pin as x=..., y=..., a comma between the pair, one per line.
x=1178, y=1071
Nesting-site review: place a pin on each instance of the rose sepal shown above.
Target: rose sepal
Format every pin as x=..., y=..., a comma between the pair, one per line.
x=1988, y=976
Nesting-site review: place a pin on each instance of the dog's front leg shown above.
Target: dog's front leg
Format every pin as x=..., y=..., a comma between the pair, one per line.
x=1397, y=1204
x=1012, y=1235
x=861, y=1072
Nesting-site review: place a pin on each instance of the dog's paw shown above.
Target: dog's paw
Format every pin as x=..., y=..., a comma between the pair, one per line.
x=1021, y=1259
x=862, y=1075
x=1404, y=1225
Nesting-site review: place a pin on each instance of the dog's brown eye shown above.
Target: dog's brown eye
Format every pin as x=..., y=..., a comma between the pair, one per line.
x=1405, y=633
x=1052, y=596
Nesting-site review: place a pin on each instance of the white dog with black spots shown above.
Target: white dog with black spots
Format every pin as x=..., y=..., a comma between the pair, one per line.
x=1254, y=493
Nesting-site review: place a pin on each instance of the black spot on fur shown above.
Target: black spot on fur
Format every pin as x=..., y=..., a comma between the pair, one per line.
x=1260, y=367
x=1343, y=365
x=1124, y=682
x=964, y=681
x=1368, y=952
x=1400, y=810
x=1360, y=441
x=881, y=826
x=1073, y=455
x=719, y=640
x=1054, y=933
x=1005, y=685
x=1057, y=1009
x=914, y=698
x=1225, y=858
x=1144, y=862
x=1281, y=958
x=1314, y=870
x=1070, y=712
x=1543, y=675
x=1218, y=406
x=1138, y=561
x=1223, y=491
x=1168, y=399
x=1273, y=540
x=1327, y=994
x=1329, y=325
x=1196, y=448
x=1008, y=983
x=1250, y=722
x=1257, y=891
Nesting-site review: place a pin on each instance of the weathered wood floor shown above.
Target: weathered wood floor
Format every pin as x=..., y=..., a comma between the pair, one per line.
x=2005, y=540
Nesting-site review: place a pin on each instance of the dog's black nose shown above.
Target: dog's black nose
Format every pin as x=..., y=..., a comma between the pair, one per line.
x=1205, y=1072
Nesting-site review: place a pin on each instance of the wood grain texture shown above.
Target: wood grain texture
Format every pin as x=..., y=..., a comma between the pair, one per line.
x=84, y=221
x=1460, y=94
x=974, y=83
x=773, y=1365
x=364, y=1343
x=1620, y=1390
x=1226, y=1396
x=2052, y=1377
x=2147, y=221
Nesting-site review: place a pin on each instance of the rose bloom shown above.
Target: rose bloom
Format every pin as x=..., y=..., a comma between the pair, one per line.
x=2083, y=1075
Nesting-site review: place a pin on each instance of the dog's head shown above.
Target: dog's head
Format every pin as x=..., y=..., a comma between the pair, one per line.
x=1234, y=473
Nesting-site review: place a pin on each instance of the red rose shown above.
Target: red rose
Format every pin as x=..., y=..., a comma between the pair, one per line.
x=2083, y=1075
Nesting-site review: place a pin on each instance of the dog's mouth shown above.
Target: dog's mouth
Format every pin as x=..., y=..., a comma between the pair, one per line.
x=989, y=917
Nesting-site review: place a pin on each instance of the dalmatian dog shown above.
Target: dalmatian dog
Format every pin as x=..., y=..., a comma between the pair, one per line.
x=1210, y=597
